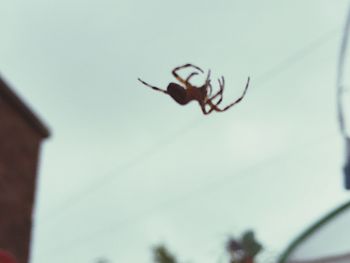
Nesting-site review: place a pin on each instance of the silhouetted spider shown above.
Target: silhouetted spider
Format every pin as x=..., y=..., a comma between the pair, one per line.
x=188, y=92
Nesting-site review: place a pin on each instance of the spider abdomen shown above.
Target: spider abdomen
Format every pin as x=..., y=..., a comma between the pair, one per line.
x=178, y=93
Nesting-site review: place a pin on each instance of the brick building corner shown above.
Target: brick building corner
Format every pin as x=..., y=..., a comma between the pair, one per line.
x=21, y=134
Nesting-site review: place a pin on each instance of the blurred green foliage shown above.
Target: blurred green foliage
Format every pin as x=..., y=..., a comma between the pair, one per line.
x=241, y=250
x=162, y=255
x=245, y=249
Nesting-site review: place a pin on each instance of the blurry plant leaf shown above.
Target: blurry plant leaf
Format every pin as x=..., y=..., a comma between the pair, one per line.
x=162, y=255
x=250, y=245
x=233, y=245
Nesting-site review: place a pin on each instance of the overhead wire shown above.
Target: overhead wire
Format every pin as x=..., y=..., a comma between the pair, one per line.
x=300, y=54
x=169, y=204
x=122, y=168
x=102, y=181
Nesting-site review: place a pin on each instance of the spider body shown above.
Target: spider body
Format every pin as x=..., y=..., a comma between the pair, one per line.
x=187, y=92
x=183, y=96
x=178, y=93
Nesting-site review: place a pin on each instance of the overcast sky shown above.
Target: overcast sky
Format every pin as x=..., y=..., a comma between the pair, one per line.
x=127, y=168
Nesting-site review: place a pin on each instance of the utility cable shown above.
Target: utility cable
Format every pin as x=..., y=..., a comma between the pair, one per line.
x=169, y=204
x=289, y=61
x=262, y=79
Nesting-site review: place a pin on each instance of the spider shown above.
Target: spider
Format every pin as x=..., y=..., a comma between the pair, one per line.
x=187, y=92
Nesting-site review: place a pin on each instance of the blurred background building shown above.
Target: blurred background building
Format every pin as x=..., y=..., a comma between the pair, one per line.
x=21, y=134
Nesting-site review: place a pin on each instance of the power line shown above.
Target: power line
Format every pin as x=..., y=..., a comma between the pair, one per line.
x=263, y=79
x=292, y=59
x=169, y=204
x=299, y=54
x=124, y=167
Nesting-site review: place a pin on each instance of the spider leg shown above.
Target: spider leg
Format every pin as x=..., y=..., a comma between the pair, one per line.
x=222, y=86
x=174, y=72
x=209, y=89
x=155, y=88
x=205, y=112
x=220, y=92
x=210, y=103
x=187, y=66
x=208, y=76
x=208, y=98
x=214, y=107
x=208, y=84
x=190, y=76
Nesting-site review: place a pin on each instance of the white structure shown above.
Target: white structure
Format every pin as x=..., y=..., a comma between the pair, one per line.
x=327, y=241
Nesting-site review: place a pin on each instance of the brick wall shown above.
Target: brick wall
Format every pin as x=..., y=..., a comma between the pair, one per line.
x=19, y=150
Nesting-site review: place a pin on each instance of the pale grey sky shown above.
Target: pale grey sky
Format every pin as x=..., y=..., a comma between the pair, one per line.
x=127, y=168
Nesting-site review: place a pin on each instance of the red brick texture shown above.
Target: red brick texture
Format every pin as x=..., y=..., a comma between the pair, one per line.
x=19, y=151
x=6, y=257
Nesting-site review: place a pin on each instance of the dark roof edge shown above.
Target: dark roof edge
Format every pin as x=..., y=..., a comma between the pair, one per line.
x=27, y=113
x=310, y=230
